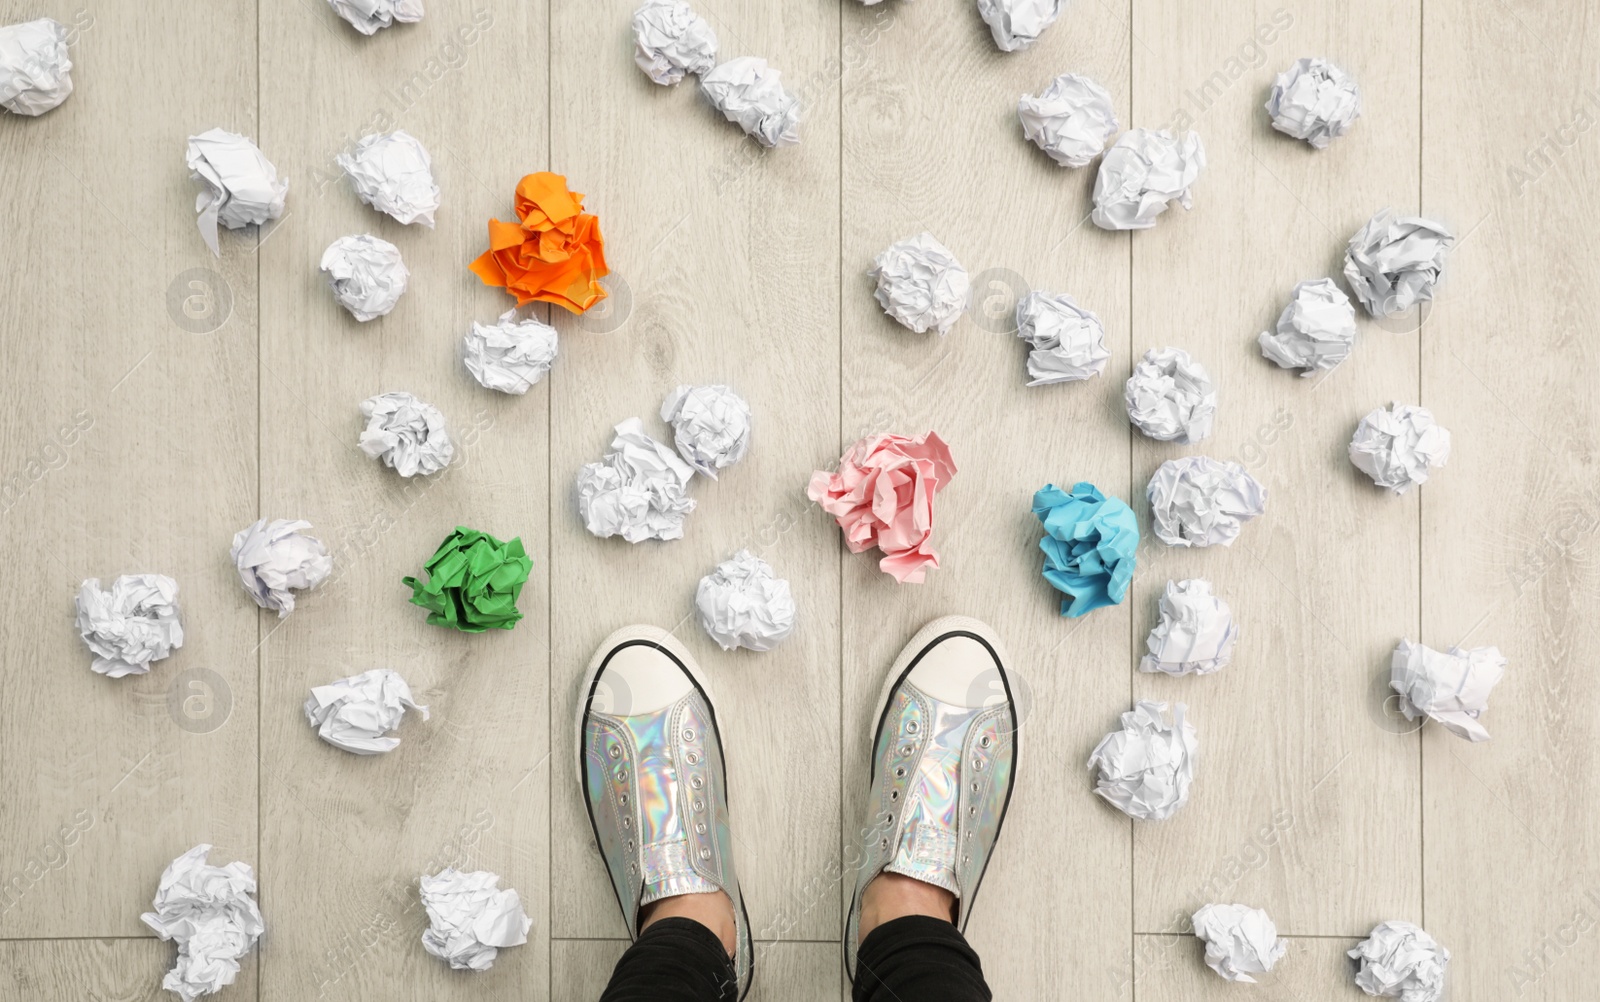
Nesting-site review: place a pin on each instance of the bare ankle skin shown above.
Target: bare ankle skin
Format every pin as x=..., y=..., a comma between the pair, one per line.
x=714, y=911
x=894, y=895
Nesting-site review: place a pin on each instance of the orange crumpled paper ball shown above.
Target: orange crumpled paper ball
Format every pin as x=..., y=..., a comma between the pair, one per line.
x=882, y=495
x=554, y=255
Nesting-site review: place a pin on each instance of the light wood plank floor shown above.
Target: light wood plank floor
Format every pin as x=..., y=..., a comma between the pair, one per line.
x=129, y=443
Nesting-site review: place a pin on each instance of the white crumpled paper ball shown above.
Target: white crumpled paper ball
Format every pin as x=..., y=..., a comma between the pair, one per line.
x=1400, y=961
x=1315, y=331
x=1396, y=446
x=1068, y=342
x=1314, y=100
x=1141, y=174
x=1196, y=632
x=241, y=185
x=408, y=435
x=710, y=425
x=275, y=560
x=510, y=355
x=749, y=93
x=1017, y=24
x=1145, y=769
x=131, y=625
x=209, y=911
x=357, y=713
x=35, y=70
x=741, y=604
x=1449, y=687
x=1170, y=397
x=1071, y=120
x=470, y=919
x=367, y=16
x=1198, y=501
x=921, y=284
x=1393, y=263
x=1240, y=941
x=394, y=174
x=671, y=40
x=365, y=274
x=638, y=491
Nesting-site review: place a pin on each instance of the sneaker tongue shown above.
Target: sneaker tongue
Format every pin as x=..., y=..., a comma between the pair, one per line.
x=927, y=852
x=667, y=872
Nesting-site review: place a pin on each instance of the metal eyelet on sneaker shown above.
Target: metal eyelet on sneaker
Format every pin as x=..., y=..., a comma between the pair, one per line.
x=884, y=844
x=699, y=805
x=894, y=794
x=972, y=812
x=622, y=798
x=899, y=772
x=692, y=757
x=911, y=727
x=688, y=734
x=622, y=774
x=699, y=827
x=616, y=751
x=696, y=781
x=627, y=822
x=905, y=751
x=977, y=763
x=984, y=741
x=633, y=868
x=976, y=788
x=705, y=853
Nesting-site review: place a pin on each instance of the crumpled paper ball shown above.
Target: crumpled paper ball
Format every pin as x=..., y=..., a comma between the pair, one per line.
x=131, y=625
x=358, y=712
x=741, y=604
x=210, y=912
x=366, y=275
x=275, y=560
x=367, y=16
x=882, y=494
x=1198, y=501
x=510, y=355
x=408, y=435
x=394, y=174
x=1396, y=446
x=1400, y=961
x=1314, y=100
x=553, y=254
x=470, y=920
x=749, y=94
x=35, y=70
x=921, y=284
x=1071, y=120
x=1240, y=941
x=710, y=426
x=241, y=184
x=1145, y=769
x=1451, y=688
x=1069, y=342
x=638, y=491
x=473, y=581
x=1171, y=397
x=1394, y=263
x=1141, y=174
x=1315, y=331
x=1017, y=24
x=671, y=40
x=1090, y=546
x=1196, y=632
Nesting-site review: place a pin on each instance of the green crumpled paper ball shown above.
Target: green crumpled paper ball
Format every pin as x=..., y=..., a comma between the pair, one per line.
x=473, y=582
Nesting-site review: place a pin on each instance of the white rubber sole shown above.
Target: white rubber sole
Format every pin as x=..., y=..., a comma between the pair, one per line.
x=654, y=635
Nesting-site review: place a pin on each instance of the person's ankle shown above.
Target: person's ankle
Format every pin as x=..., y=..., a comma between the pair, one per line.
x=894, y=895
x=714, y=911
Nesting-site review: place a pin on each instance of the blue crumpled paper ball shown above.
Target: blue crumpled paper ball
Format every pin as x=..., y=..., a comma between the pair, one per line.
x=1090, y=546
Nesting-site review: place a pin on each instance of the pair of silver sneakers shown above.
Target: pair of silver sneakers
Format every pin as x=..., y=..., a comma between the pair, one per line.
x=945, y=746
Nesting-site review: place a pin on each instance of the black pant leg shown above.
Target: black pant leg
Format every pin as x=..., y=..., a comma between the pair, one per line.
x=675, y=960
x=918, y=959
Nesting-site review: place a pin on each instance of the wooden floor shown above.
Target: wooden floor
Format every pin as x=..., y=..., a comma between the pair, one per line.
x=742, y=266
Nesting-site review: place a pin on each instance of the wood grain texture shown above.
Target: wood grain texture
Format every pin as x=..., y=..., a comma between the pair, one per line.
x=1306, y=797
x=1314, y=969
x=932, y=143
x=722, y=256
x=127, y=445
x=466, y=788
x=1508, y=527
x=98, y=970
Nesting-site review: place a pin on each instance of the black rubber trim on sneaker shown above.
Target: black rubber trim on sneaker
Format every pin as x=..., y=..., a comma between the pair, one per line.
x=583, y=772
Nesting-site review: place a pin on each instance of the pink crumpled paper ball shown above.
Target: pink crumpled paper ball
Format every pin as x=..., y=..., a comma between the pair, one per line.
x=882, y=495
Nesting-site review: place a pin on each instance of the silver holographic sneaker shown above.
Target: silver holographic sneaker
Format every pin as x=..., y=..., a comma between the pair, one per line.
x=651, y=769
x=944, y=760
